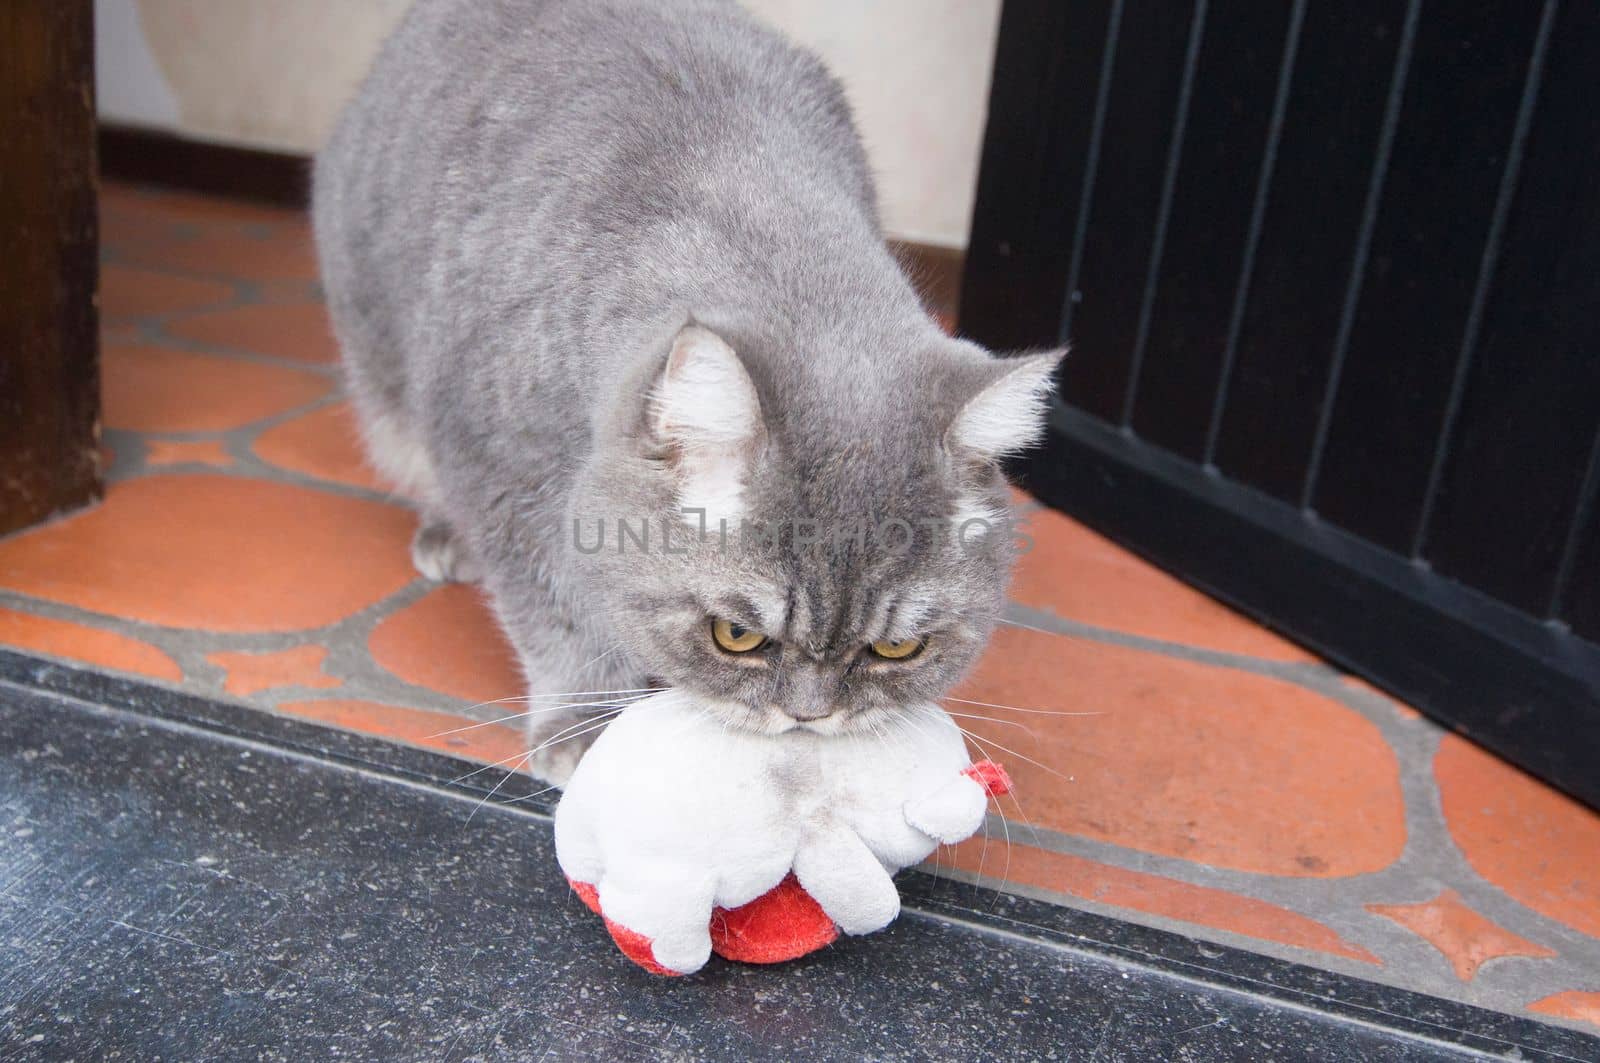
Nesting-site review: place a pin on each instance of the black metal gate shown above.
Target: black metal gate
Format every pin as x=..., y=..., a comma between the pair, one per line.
x=1331, y=274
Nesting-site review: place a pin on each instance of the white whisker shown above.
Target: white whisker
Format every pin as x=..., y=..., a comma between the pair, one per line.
x=585, y=667
x=486, y=797
x=1023, y=756
x=594, y=693
x=530, y=797
x=1005, y=823
x=587, y=725
x=931, y=717
x=537, y=711
x=1036, y=630
x=1018, y=708
x=883, y=734
x=596, y=724
x=478, y=771
x=1015, y=800
x=913, y=720
x=990, y=719
x=496, y=701
x=554, y=739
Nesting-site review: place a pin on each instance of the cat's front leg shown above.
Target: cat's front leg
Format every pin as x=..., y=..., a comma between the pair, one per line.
x=558, y=737
x=575, y=686
x=576, y=668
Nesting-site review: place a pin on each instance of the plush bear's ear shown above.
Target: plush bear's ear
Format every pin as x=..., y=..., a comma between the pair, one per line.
x=705, y=414
x=1007, y=414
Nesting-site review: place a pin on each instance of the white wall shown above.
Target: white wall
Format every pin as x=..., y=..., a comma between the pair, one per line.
x=917, y=73
x=130, y=86
x=274, y=74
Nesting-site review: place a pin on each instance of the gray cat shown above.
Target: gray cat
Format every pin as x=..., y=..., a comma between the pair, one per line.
x=617, y=313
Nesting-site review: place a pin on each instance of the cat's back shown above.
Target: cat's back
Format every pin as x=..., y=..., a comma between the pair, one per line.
x=504, y=84
x=479, y=106
x=508, y=153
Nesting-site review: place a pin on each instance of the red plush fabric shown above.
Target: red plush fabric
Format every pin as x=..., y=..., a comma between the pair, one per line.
x=782, y=924
x=587, y=894
x=634, y=945
x=989, y=775
x=637, y=948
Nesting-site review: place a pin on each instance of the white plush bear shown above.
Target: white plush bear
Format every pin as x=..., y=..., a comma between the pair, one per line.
x=681, y=832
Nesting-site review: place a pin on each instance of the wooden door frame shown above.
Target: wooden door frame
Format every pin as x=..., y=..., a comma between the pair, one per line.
x=49, y=275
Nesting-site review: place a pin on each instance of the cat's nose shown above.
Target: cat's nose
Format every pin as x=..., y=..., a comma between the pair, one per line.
x=806, y=713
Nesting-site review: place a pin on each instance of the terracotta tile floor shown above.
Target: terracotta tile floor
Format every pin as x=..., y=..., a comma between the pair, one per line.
x=1226, y=783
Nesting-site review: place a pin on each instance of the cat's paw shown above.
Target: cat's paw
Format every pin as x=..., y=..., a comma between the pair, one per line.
x=554, y=767
x=559, y=744
x=439, y=554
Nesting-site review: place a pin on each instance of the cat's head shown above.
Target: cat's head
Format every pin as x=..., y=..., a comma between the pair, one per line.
x=805, y=548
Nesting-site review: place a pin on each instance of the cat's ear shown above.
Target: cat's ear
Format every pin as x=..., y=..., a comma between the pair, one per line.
x=1007, y=414
x=704, y=413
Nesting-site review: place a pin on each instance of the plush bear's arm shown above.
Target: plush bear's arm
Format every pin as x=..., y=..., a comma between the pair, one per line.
x=670, y=907
x=955, y=811
x=842, y=875
x=950, y=814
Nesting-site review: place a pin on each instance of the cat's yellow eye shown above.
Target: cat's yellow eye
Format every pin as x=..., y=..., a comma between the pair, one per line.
x=897, y=649
x=735, y=638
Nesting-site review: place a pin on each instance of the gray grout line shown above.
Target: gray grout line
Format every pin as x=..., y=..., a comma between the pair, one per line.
x=128, y=455
x=1026, y=617
x=345, y=641
x=1446, y=867
x=246, y=465
x=153, y=331
x=1413, y=965
x=350, y=660
x=241, y=442
x=1428, y=864
x=1314, y=957
x=248, y=291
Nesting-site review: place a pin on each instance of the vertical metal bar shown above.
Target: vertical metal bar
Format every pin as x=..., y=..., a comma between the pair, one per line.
x=1091, y=167
x=1486, y=270
x=1169, y=183
x=1582, y=517
x=1358, y=265
x=1241, y=295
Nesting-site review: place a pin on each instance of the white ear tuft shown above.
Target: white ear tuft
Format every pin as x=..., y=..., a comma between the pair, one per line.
x=705, y=408
x=1008, y=414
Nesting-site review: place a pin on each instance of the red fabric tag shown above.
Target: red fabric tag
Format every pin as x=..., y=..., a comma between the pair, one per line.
x=989, y=775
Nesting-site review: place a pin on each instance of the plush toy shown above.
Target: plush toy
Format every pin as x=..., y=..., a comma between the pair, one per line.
x=688, y=838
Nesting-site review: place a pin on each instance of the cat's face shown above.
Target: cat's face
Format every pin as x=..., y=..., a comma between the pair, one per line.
x=842, y=571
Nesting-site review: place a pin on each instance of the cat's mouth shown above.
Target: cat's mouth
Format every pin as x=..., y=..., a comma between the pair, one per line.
x=770, y=720
x=774, y=721
x=823, y=725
